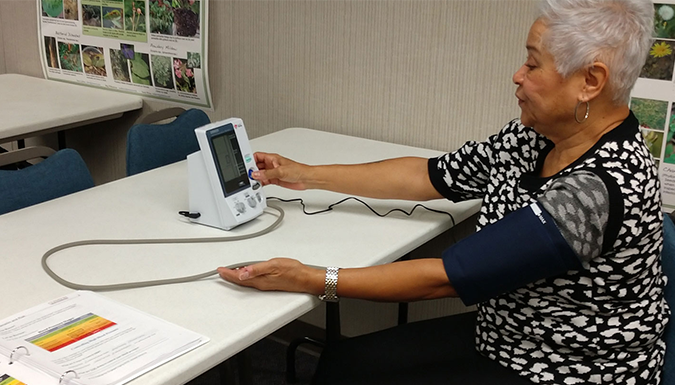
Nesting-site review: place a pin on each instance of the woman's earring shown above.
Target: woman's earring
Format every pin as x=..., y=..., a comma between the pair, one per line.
x=576, y=116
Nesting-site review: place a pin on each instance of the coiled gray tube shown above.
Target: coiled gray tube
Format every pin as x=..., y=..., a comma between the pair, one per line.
x=133, y=285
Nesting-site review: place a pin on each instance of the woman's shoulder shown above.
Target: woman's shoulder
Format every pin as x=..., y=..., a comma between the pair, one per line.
x=514, y=134
x=629, y=173
x=621, y=151
x=515, y=126
x=627, y=153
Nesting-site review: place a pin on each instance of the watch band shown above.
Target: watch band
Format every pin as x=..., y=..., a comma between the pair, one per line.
x=330, y=290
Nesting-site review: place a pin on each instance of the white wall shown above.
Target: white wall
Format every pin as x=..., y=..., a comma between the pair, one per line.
x=425, y=73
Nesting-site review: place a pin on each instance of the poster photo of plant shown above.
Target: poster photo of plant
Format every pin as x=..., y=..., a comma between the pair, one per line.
x=140, y=68
x=51, y=52
x=91, y=15
x=161, y=71
x=186, y=17
x=128, y=51
x=134, y=15
x=112, y=18
x=69, y=57
x=654, y=141
x=660, y=60
x=161, y=17
x=194, y=60
x=120, y=66
x=650, y=113
x=70, y=9
x=185, y=77
x=669, y=152
x=52, y=8
x=664, y=21
x=94, y=60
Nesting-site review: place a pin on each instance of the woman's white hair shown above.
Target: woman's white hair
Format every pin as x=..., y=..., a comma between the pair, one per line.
x=614, y=32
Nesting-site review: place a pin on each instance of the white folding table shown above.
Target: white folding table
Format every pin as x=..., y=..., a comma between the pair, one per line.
x=146, y=206
x=31, y=106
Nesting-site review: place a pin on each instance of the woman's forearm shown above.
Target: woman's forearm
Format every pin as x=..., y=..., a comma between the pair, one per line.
x=404, y=281
x=400, y=178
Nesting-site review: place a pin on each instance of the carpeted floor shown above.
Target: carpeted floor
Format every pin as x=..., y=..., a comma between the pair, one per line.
x=268, y=366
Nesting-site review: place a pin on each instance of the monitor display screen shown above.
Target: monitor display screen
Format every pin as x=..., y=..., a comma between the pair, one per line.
x=229, y=161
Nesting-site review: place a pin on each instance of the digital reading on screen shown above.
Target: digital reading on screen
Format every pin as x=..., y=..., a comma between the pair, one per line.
x=231, y=168
x=219, y=185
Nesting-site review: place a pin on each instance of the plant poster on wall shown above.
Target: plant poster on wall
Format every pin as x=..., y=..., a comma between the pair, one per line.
x=653, y=98
x=155, y=48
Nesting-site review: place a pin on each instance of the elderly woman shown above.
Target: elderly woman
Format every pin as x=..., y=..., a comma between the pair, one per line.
x=565, y=267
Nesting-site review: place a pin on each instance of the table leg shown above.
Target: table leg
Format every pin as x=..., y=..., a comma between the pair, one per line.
x=61, y=135
x=244, y=368
x=333, y=332
x=402, y=313
x=226, y=373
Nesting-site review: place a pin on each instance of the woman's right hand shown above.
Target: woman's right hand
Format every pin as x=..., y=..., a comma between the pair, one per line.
x=399, y=178
x=275, y=169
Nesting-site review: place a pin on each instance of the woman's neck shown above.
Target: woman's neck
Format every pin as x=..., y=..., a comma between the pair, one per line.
x=571, y=143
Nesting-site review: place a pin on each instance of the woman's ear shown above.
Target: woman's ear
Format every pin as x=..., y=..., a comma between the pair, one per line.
x=595, y=80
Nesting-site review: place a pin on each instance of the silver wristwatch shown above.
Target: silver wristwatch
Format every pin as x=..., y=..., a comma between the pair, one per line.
x=330, y=291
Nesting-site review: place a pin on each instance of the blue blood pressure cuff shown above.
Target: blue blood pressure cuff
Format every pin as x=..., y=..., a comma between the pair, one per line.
x=523, y=247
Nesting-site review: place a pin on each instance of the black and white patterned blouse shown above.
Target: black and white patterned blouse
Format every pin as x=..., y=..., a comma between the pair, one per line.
x=602, y=324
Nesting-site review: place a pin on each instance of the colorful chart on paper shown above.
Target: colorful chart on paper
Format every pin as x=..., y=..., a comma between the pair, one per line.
x=6, y=379
x=70, y=332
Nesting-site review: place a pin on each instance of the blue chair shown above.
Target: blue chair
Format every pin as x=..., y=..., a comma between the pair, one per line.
x=668, y=264
x=154, y=145
x=59, y=174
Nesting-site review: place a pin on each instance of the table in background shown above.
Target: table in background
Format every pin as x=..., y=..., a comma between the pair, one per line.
x=32, y=106
x=146, y=206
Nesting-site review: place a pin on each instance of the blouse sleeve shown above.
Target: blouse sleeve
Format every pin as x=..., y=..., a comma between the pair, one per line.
x=462, y=174
x=580, y=204
x=465, y=174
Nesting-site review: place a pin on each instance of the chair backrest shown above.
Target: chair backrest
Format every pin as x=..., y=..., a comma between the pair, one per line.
x=60, y=174
x=154, y=145
x=668, y=265
x=20, y=156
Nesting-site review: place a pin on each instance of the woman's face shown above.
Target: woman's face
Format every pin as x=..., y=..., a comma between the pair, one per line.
x=546, y=100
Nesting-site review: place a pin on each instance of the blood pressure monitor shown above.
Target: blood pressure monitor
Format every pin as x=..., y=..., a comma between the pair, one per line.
x=220, y=188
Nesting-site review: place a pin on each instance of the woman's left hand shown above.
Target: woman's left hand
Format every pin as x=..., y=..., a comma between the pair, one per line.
x=283, y=274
